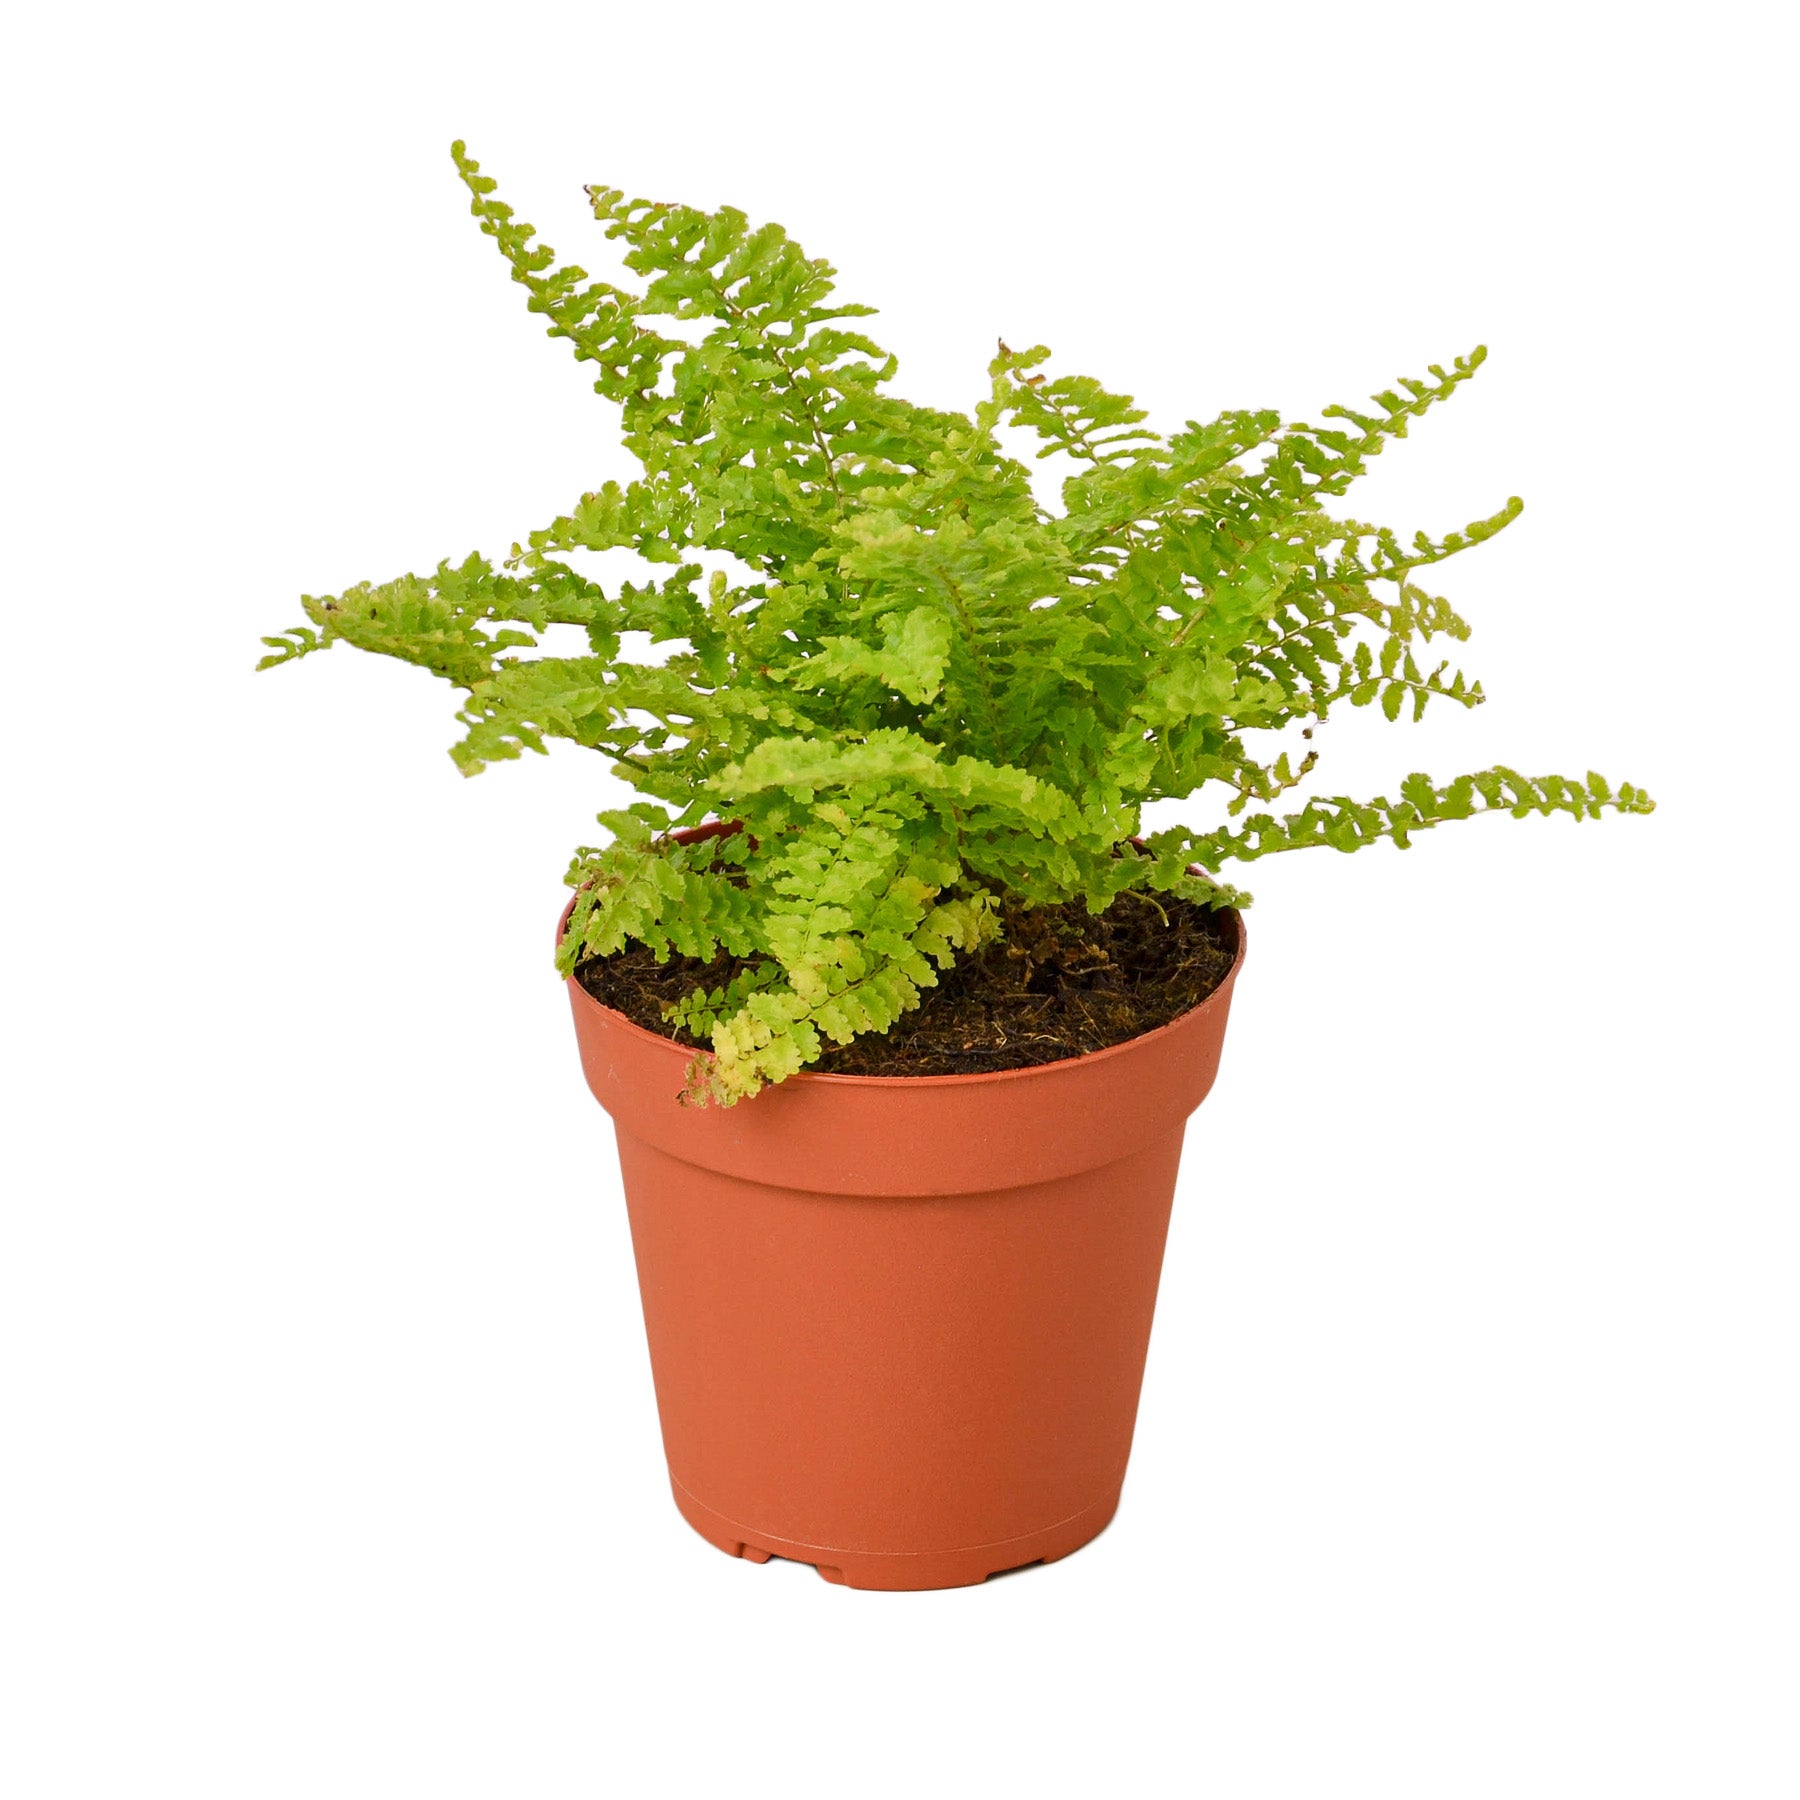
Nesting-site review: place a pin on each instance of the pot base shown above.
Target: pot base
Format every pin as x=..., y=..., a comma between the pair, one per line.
x=902, y=1571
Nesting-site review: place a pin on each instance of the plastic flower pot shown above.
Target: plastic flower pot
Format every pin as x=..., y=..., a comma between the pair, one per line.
x=898, y=1325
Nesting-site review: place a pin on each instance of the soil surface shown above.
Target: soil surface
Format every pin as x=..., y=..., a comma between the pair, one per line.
x=1060, y=983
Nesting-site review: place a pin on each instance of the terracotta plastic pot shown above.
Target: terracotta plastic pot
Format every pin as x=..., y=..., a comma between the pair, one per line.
x=898, y=1324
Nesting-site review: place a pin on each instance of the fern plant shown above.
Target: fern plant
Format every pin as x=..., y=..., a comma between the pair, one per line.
x=921, y=690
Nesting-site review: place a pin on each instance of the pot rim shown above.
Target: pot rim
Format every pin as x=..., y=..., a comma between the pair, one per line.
x=1220, y=995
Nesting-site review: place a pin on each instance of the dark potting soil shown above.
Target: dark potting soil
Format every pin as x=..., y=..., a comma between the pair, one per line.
x=1061, y=982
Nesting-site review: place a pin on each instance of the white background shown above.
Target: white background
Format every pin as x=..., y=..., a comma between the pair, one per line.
x=1466, y=1464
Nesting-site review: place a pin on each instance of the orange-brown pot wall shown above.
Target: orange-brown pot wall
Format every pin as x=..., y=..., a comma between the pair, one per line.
x=898, y=1326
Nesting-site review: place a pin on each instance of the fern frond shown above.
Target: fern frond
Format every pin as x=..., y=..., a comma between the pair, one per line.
x=779, y=1029
x=1339, y=823
x=598, y=320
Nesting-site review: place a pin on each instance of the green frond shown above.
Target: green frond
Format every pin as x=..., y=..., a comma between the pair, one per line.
x=1344, y=824
x=783, y=1026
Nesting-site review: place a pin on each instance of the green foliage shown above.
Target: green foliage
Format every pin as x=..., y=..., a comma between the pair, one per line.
x=915, y=686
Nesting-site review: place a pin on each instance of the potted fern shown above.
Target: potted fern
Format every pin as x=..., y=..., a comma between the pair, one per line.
x=898, y=1011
